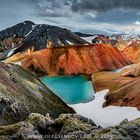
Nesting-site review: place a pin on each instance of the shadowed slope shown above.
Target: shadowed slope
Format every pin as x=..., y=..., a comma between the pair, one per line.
x=22, y=93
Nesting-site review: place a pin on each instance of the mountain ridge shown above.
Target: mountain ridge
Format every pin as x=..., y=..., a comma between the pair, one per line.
x=27, y=34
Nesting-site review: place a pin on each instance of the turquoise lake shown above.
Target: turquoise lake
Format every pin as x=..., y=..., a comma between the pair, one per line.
x=71, y=89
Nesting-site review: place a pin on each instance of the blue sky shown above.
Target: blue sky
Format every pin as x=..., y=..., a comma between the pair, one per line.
x=91, y=16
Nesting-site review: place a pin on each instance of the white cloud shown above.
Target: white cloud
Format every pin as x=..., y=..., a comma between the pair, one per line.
x=92, y=14
x=137, y=22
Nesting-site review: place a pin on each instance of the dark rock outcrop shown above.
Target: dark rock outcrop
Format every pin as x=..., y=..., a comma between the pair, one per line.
x=101, y=39
x=68, y=126
x=71, y=60
x=22, y=93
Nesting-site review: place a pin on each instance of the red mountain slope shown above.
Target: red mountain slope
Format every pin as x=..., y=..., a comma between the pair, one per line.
x=72, y=60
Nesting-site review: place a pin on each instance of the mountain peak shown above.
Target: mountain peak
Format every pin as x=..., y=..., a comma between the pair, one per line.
x=28, y=22
x=20, y=29
x=28, y=35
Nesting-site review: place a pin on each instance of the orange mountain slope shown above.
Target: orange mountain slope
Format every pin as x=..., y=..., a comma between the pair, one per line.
x=133, y=52
x=123, y=87
x=130, y=48
x=72, y=60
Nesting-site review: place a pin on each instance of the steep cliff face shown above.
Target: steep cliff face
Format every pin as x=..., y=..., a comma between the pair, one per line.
x=123, y=87
x=22, y=93
x=72, y=60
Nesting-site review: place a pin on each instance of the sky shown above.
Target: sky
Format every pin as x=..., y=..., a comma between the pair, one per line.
x=88, y=16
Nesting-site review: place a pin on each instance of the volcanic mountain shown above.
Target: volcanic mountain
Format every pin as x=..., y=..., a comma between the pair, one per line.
x=28, y=35
x=85, y=59
x=133, y=51
x=13, y=36
x=129, y=45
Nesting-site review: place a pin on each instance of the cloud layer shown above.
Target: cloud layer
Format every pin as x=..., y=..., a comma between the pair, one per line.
x=50, y=7
x=78, y=15
x=104, y=5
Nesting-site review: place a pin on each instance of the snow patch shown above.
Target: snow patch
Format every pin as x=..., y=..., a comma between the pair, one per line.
x=33, y=27
x=18, y=63
x=108, y=116
x=13, y=45
x=89, y=39
x=24, y=23
x=70, y=43
x=119, y=70
x=11, y=52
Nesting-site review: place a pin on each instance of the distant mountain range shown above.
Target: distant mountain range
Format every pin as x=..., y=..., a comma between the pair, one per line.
x=83, y=34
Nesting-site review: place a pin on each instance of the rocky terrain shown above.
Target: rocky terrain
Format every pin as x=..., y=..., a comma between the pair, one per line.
x=123, y=87
x=68, y=126
x=22, y=93
x=29, y=110
x=133, y=52
x=71, y=60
